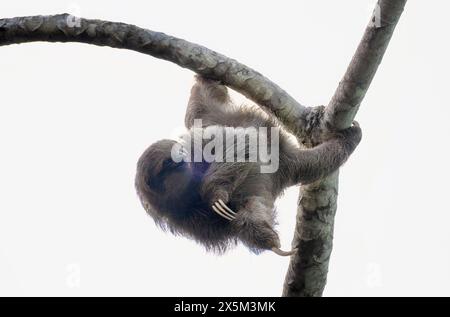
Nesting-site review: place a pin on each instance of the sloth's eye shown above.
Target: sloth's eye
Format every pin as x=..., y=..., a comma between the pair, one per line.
x=169, y=163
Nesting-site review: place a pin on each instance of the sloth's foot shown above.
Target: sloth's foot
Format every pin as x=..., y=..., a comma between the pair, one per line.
x=223, y=210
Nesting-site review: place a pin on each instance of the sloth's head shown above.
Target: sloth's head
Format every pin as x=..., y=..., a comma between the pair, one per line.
x=169, y=191
x=163, y=182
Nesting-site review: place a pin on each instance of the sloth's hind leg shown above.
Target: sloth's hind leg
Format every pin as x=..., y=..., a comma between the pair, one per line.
x=254, y=225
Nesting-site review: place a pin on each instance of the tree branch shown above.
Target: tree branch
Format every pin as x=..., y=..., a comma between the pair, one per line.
x=353, y=87
x=307, y=273
x=67, y=28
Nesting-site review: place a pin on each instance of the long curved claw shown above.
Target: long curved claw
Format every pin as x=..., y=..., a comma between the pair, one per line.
x=283, y=253
x=220, y=213
x=222, y=210
x=230, y=212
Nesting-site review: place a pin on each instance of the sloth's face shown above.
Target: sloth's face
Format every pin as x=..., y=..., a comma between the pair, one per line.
x=175, y=178
x=161, y=173
x=165, y=184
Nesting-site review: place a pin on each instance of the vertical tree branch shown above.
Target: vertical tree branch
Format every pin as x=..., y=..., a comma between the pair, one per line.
x=353, y=87
x=307, y=272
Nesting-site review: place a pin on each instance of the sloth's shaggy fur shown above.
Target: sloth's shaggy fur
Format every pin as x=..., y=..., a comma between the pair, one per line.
x=179, y=196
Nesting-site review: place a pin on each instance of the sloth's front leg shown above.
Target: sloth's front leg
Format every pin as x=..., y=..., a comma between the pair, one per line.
x=221, y=180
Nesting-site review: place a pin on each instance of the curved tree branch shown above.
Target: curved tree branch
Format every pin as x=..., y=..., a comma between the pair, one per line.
x=307, y=273
x=67, y=28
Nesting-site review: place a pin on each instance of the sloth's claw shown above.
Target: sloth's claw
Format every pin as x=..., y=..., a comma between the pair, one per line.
x=231, y=212
x=220, y=213
x=283, y=253
x=222, y=210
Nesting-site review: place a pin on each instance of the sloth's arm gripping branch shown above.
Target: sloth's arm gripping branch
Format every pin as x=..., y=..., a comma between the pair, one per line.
x=315, y=163
x=307, y=273
x=208, y=100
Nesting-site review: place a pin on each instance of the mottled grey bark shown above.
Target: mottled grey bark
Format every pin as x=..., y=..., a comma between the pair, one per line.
x=313, y=235
x=67, y=28
x=317, y=204
x=353, y=87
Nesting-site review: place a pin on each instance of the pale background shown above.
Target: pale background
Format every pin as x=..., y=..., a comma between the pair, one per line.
x=75, y=118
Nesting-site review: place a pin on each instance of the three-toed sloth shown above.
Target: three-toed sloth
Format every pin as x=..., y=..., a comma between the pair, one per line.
x=230, y=198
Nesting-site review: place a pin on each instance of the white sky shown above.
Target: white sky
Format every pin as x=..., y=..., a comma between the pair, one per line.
x=75, y=118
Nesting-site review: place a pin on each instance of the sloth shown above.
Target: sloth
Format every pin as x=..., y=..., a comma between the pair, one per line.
x=220, y=202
